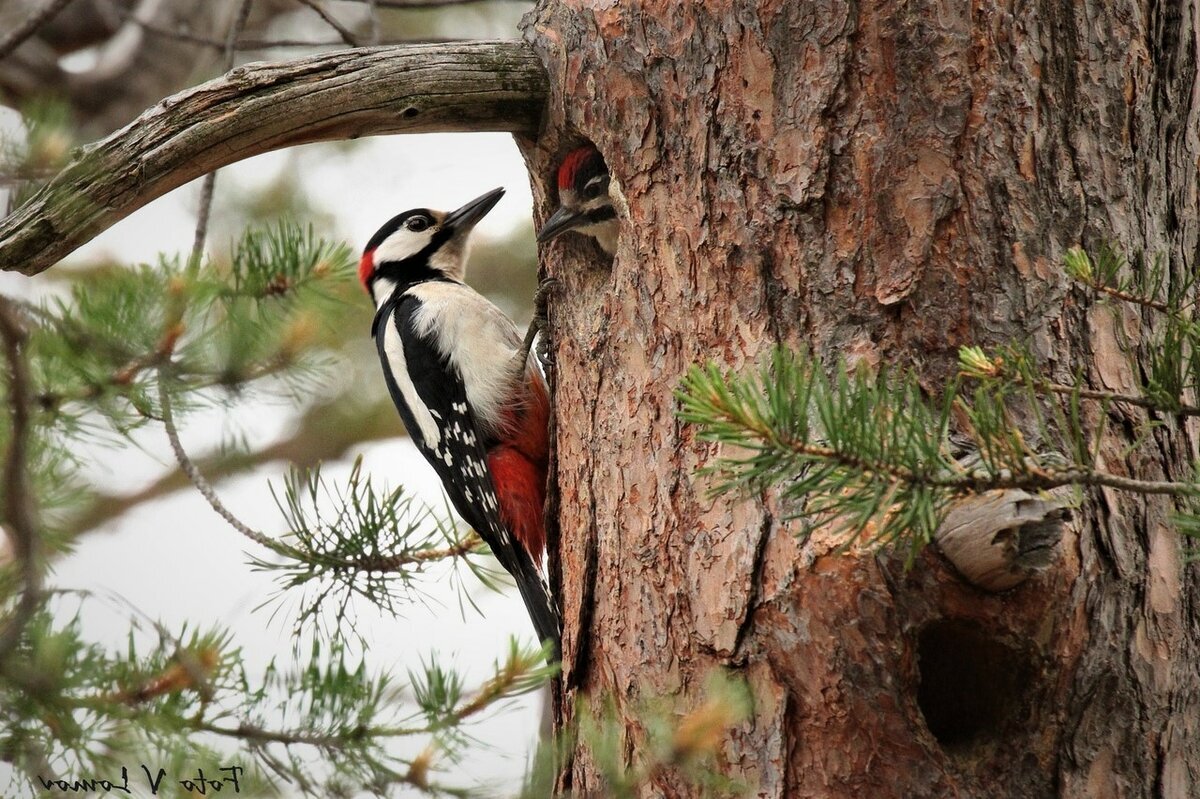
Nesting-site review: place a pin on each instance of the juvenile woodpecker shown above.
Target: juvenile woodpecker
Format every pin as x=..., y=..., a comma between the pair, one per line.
x=586, y=200
x=473, y=402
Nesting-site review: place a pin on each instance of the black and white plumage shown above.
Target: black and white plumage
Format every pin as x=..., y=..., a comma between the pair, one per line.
x=472, y=401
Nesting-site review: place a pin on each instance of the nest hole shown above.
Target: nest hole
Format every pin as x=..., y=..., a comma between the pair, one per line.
x=971, y=685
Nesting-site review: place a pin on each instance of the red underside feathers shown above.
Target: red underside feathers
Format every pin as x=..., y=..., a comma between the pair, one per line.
x=518, y=468
x=521, y=489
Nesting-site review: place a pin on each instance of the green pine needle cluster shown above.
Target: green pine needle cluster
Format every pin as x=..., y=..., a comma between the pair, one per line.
x=97, y=353
x=69, y=706
x=865, y=451
x=360, y=541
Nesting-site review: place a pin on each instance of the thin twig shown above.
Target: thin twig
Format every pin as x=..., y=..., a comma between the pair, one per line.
x=1135, y=299
x=19, y=513
x=1112, y=396
x=1042, y=480
x=321, y=434
x=347, y=35
x=30, y=26
x=210, y=180
x=395, y=563
x=189, y=468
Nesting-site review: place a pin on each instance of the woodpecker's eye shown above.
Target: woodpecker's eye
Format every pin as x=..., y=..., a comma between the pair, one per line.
x=417, y=224
x=595, y=187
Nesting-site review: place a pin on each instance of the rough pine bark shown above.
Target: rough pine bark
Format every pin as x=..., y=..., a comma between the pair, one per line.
x=884, y=182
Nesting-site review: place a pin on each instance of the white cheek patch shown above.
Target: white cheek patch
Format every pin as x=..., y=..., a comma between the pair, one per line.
x=402, y=244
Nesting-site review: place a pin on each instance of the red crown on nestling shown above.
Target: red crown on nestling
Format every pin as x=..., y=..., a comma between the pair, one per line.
x=574, y=163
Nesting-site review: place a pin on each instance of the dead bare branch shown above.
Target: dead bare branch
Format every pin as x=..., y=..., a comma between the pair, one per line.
x=30, y=26
x=257, y=108
x=347, y=35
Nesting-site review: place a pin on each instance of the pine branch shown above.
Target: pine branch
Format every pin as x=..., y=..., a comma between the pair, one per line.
x=151, y=362
x=1103, y=276
x=358, y=541
x=334, y=745
x=469, y=545
x=1035, y=479
x=87, y=707
x=870, y=452
x=257, y=108
x=523, y=671
x=19, y=500
x=334, y=741
x=1114, y=396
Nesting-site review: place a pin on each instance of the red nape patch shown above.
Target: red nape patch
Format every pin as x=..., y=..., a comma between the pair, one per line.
x=366, y=267
x=571, y=165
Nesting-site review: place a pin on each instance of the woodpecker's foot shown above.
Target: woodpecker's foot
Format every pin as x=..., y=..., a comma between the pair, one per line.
x=540, y=323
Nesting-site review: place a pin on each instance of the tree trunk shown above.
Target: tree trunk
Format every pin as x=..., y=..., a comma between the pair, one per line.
x=884, y=182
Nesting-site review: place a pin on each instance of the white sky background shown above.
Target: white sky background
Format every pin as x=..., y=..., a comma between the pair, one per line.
x=177, y=561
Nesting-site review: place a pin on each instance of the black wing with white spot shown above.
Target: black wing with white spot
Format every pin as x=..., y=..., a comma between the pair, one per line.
x=429, y=393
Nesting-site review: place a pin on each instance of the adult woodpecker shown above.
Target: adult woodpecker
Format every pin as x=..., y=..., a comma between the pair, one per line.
x=586, y=200
x=472, y=400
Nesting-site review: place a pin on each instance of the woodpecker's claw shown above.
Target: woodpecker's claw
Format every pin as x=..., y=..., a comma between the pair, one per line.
x=540, y=324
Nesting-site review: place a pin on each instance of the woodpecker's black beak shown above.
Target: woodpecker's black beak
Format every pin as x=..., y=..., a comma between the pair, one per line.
x=560, y=221
x=466, y=217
